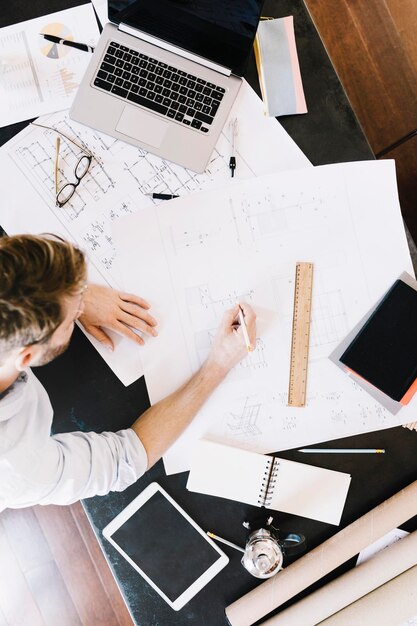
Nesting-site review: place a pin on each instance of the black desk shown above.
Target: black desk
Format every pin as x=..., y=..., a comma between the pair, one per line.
x=87, y=396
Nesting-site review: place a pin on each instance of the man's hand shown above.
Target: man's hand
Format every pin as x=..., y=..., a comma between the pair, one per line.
x=121, y=312
x=229, y=345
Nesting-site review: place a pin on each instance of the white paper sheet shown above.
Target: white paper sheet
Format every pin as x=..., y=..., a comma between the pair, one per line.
x=39, y=77
x=117, y=183
x=392, y=537
x=242, y=242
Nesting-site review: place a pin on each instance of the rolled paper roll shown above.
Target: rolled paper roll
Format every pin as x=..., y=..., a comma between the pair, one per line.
x=392, y=603
x=411, y=426
x=325, y=558
x=354, y=584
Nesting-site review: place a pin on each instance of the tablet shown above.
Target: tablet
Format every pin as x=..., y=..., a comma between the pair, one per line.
x=165, y=546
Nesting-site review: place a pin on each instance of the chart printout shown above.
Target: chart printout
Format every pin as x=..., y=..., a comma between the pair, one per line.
x=37, y=76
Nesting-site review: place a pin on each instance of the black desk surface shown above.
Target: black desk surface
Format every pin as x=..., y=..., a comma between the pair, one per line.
x=86, y=395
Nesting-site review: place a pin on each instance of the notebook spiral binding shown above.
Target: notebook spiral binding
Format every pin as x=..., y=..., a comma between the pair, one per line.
x=268, y=483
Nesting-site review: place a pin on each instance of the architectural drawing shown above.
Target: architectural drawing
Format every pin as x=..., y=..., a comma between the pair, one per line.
x=205, y=308
x=119, y=180
x=269, y=215
x=250, y=253
x=244, y=424
x=116, y=167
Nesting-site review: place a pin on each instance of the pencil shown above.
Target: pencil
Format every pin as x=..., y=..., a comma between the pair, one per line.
x=58, y=142
x=228, y=543
x=244, y=330
x=344, y=450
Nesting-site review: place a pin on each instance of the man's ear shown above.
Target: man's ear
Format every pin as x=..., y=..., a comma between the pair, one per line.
x=25, y=356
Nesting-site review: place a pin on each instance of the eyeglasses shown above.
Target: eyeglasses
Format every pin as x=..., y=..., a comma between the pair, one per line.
x=65, y=193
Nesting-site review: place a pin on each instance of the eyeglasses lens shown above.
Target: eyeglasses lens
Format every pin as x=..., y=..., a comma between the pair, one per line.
x=82, y=166
x=65, y=194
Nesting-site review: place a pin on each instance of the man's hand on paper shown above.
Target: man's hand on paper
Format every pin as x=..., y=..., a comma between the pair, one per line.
x=121, y=312
x=229, y=345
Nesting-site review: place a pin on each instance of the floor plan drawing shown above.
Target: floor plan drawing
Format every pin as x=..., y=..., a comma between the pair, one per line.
x=202, y=303
x=251, y=253
x=329, y=323
x=121, y=180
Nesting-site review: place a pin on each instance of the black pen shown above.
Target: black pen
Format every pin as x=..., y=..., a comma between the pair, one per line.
x=162, y=196
x=66, y=42
x=232, y=160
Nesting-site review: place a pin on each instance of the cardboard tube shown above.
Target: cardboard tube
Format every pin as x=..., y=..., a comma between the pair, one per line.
x=325, y=558
x=392, y=603
x=355, y=584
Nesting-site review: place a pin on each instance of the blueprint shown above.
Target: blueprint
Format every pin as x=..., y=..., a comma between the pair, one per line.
x=118, y=183
x=241, y=243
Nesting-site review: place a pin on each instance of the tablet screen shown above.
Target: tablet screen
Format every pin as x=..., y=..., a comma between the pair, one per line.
x=165, y=546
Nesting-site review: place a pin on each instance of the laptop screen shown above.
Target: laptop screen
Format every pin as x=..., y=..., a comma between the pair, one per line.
x=219, y=30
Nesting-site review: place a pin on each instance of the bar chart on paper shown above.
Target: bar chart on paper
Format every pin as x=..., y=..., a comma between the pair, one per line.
x=39, y=77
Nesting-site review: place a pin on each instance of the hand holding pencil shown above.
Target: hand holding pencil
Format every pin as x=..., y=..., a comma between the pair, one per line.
x=244, y=329
x=235, y=337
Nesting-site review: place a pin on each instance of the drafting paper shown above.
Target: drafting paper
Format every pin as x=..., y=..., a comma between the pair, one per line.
x=370, y=551
x=117, y=184
x=242, y=243
x=37, y=76
x=296, y=488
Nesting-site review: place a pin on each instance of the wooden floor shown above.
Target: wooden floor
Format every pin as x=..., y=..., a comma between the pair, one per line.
x=51, y=568
x=373, y=46
x=52, y=571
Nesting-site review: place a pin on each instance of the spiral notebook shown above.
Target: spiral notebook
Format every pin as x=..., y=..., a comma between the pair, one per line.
x=261, y=480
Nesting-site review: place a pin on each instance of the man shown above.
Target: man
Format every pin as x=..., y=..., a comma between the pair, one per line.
x=42, y=292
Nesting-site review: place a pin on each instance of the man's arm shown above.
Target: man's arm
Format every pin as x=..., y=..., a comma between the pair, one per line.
x=162, y=423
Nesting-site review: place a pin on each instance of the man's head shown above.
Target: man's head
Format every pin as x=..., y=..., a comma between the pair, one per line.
x=42, y=281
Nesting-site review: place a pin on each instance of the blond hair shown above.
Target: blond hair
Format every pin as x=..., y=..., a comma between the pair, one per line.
x=36, y=272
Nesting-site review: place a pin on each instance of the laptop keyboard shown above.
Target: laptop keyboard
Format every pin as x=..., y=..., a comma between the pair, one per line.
x=159, y=87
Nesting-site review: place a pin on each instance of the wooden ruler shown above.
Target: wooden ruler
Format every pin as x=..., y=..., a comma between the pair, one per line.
x=300, y=334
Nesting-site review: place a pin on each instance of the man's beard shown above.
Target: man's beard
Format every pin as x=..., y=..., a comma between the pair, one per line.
x=51, y=353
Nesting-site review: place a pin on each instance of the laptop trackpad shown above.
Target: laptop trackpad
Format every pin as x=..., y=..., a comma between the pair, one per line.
x=139, y=125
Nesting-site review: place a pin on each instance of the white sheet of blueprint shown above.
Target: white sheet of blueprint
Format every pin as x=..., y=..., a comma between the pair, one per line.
x=117, y=183
x=242, y=242
x=39, y=77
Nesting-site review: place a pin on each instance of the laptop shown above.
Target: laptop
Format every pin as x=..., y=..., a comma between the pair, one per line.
x=165, y=74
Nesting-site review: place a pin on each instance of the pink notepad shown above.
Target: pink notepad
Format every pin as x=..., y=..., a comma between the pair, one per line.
x=278, y=67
